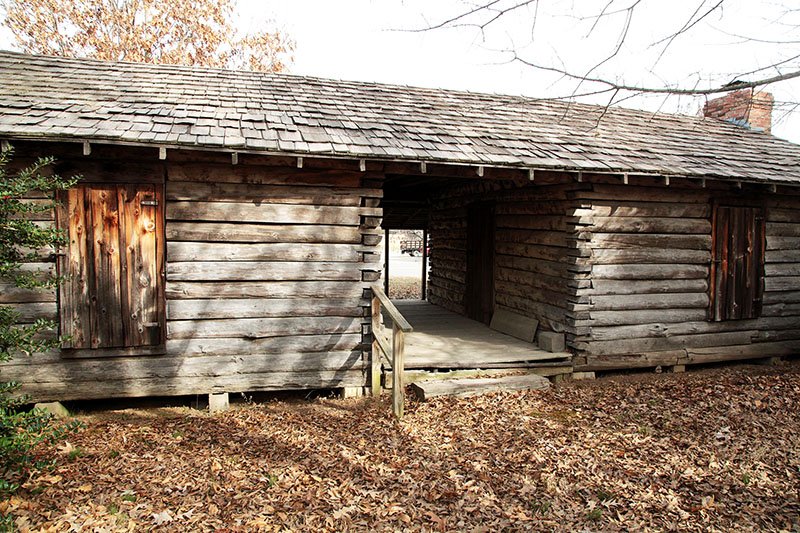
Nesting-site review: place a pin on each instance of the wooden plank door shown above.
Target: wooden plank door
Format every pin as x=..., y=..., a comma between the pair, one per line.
x=112, y=292
x=737, y=268
x=479, y=297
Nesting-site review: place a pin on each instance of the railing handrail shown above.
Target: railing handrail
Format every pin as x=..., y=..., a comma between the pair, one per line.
x=400, y=327
x=391, y=310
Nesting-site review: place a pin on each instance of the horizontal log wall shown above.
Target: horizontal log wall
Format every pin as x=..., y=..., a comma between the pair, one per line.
x=646, y=296
x=534, y=262
x=265, y=284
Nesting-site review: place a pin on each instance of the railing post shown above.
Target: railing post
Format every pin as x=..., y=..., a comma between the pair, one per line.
x=398, y=369
x=375, y=356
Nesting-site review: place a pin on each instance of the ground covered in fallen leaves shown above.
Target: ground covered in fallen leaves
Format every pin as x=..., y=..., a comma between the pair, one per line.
x=715, y=450
x=405, y=288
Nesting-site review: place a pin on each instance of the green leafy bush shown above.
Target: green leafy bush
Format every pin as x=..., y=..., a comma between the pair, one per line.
x=22, y=240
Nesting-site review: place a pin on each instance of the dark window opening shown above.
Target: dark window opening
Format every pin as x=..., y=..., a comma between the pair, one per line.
x=737, y=262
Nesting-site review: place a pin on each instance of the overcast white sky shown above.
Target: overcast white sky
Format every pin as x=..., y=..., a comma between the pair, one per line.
x=355, y=39
x=363, y=40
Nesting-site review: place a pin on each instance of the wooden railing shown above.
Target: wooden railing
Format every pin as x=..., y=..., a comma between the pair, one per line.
x=380, y=347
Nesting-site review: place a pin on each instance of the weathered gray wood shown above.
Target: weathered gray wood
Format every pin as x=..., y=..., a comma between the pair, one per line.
x=549, y=268
x=425, y=390
x=267, y=213
x=167, y=367
x=10, y=293
x=615, y=208
x=443, y=339
x=30, y=312
x=194, y=251
x=514, y=324
x=264, y=271
x=782, y=283
x=650, y=272
x=783, y=215
x=176, y=386
x=783, y=229
x=665, y=329
x=263, y=308
x=264, y=289
x=255, y=328
x=179, y=349
x=624, y=193
x=609, y=256
x=596, y=363
x=649, y=301
x=783, y=243
x=623, y=287
x=749, y=351
x=231, y=232
x=650, y=240
x=781, y=269
x=654, y=344
x=616, y=318
x=398, y=367
x=213, y=173
x=274, y=194
x=783, y=256
x=396, y=316
x=650, y=225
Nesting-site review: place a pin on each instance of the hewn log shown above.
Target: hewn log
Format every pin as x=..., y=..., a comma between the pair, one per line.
x=650, y=272
x=263, y=289
x=263, y=308
x=270, y=194
x=748, y=351
x=782, y=283
x=663, y=329
x=232, y=232
x=650, y=240
x=650, y=225
x=607, y=256
x=654, y=344
x=618, y=318
x=211, y=173
x=615, y=208
x=268, y=213
x=10, y=293
x=182, y=385
x=197, y=251
x=596, y=363
x=621, y=193
x=652, y=301
x=622, y=287
x=255, y=328
x=262, y=271
x=782, y=229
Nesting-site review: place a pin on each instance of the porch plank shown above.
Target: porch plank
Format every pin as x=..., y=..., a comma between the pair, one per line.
x=443, y=339
x=471, y=387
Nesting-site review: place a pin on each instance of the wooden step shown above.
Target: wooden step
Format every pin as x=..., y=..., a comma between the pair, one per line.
x=548, y=370
x=470, y=387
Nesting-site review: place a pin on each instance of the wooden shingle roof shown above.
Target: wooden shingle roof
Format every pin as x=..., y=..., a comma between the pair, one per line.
x=57, y=98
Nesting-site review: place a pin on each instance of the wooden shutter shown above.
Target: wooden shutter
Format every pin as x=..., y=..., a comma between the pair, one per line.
x=737, y=268
x=112, y=294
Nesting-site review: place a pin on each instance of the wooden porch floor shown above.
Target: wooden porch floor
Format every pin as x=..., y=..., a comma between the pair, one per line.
x=443, y=339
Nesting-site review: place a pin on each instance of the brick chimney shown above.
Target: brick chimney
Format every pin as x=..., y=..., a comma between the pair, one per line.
x=745, y=107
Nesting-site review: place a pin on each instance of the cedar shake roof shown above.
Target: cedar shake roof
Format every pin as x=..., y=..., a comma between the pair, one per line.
x=174, y=106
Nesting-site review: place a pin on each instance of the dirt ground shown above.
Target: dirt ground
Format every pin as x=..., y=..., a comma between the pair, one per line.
x=709, y=450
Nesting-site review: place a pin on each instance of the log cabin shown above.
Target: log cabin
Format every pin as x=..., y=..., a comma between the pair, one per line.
x=226, y=233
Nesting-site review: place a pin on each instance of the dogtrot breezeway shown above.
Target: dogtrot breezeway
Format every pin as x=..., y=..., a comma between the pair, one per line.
x=431, y=343
x=443, y=340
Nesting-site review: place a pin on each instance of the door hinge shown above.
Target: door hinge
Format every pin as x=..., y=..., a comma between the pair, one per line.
x=152, y=203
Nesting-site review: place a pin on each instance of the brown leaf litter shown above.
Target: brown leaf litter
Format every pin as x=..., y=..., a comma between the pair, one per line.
x=711, y=450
